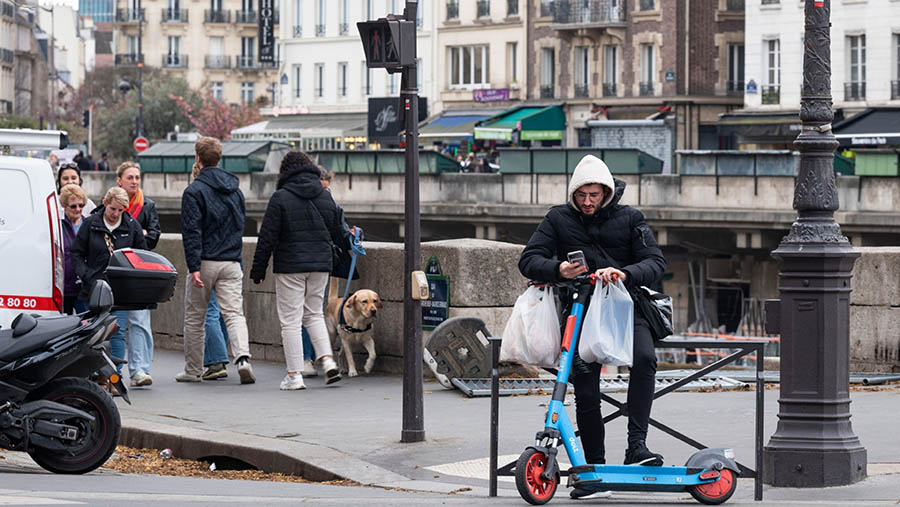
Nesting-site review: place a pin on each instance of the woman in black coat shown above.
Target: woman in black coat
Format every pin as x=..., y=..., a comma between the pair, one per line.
x=617, y=243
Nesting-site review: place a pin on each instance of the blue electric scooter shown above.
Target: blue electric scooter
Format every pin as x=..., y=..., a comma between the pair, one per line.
x=709, y=475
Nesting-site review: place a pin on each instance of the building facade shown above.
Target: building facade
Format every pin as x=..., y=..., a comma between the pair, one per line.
x=23, y=63
x=213, y=46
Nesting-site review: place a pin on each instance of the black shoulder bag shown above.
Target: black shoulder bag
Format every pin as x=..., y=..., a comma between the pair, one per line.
x=340, y=259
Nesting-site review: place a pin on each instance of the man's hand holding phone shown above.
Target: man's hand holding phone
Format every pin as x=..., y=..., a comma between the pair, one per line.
x=575, y=266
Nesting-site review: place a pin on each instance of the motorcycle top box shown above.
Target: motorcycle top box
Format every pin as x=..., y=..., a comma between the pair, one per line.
x=140, y=278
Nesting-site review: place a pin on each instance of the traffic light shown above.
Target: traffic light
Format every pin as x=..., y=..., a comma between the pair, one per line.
x=86, y=118
x=388, y=43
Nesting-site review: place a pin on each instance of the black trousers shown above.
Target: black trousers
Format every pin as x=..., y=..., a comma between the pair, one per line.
x=641, y=385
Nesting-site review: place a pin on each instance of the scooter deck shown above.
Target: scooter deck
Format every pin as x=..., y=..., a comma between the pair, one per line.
x=635, y=477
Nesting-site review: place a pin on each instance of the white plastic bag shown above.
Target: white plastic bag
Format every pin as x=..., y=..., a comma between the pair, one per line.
x=607, y=335
x=532, y=334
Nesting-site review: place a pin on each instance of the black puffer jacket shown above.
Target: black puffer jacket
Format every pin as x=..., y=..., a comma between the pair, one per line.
x=148, y=219
x=212, y=218
x=301, y=223
x=619, y=229
x=90, y=252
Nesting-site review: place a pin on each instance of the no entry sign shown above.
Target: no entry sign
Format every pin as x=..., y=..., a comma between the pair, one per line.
x=141, y=144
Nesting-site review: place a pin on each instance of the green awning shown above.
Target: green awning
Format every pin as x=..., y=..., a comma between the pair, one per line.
x=237, y=156
x=532, y=123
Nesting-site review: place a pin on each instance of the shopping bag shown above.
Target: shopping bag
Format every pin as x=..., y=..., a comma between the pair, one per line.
x=607, y=335
x=531, y=335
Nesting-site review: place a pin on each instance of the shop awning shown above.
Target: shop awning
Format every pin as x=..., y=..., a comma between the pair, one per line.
x=532, y=123
x=453, y=124
x=781, y=127
x=304, y=126
x=872, y=127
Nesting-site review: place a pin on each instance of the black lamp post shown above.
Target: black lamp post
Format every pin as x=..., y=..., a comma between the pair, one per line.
x=814, y=444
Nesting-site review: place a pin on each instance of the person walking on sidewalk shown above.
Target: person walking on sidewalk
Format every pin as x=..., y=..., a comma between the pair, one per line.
x=611, y=235
x=299, y=229
x=140, y=337
x=212, y=225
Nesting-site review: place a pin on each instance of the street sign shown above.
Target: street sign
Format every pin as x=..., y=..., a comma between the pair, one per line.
x=141, y=144
x=436, y=308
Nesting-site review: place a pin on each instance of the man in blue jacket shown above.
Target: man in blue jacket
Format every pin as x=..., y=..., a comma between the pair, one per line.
x=212, y=227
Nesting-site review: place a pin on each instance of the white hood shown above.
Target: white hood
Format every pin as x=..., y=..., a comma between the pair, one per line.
x=589, y=171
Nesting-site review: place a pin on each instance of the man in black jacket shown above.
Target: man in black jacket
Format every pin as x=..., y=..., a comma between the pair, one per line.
x=212, y=227
x=617, y=243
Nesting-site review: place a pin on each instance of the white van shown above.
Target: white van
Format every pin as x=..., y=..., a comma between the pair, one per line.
x=31, y=244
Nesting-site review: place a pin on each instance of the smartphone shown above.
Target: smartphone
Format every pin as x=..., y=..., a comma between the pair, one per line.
x=577, y=257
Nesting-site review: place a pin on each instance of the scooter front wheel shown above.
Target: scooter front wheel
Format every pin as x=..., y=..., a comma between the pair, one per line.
x=716, y=492
x=532, y=487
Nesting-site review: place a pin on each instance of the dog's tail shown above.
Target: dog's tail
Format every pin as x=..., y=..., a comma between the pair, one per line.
x=334, y=287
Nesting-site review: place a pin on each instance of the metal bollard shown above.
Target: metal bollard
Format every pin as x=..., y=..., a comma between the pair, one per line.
x=495, y=411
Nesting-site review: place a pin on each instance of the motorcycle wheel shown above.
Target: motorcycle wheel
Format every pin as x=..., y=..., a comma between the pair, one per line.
x=96, y=441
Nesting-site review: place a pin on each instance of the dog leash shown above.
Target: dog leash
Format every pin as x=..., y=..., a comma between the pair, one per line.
x=356, y=249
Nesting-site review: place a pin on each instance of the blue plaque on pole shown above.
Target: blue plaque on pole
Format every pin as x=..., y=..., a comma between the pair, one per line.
x=751, y=87
x=436, y=309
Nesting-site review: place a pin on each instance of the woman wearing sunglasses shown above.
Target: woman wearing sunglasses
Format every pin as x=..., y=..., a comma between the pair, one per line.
x=73, y=200
x=70, y=174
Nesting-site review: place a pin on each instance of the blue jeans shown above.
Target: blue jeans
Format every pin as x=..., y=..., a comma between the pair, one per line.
x=308, y=353
x=140, y=341
x=117, y=340
x=215, y=350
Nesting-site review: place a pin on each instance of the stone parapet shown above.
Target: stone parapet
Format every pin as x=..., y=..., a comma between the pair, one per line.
x=875, y=311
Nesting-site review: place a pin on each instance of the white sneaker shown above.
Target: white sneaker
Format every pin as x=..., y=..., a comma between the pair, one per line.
x=332, y=373
x=309, y=368
x=141, y=379
x=294, y=383
x=245, y=371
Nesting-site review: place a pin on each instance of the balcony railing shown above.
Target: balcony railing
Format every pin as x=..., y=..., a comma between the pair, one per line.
x=366, y=89
x=579, y=12
x=770, y=94
x=129, y=15
x=319, y=91
x=581, y=91
x=298, y=31
x=452, y=10
x=298, y=92
x=547, y=8
x=6, y=55
x=128, y=59
x=216, y=16
x=854, y=92
x=246, y=17
x=484, y=8
x=174, y=15
x=320, y=30
x=609, y=89
x=735, y=87
x=648, y=5
x=341, y=91
x=546, y=91
x=735, y=5
x=217, y=62
x=646, y=88
x=895, y=90
x=344, y=28
x=175, y=61
x=249, y=62
x=512, y=8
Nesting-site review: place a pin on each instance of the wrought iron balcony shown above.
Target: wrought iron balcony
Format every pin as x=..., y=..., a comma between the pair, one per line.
x=174, y=15
x=771, y=94
x=895, y=90
x=341, y=91
x=246, y=17
x=125, y=59
x=855, y=92
x=130, y=15
x=298, y=31
x=366, y=89
x=735, y=87
x=581, y=91
x=319, y=91
x=216, y=16
x=575, y=14
x=546, y=91
x=249, y=62
x=512, y=7
x=344, y=28
x=646, y=88
x=217, y=62
x=453, y=9
x=175, y=61
x=735, y=5
x=547, y=8
x=320, y=30
x=484, y=8
x=609, y=89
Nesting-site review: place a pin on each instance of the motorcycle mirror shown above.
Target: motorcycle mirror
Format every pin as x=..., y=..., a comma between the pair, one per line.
x=101, y=297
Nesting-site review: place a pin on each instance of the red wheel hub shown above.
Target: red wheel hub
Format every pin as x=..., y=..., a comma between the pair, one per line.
x=719, y=487
x=540, y=488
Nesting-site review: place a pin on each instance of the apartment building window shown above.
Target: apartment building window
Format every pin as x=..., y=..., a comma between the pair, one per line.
x=298, y=81
x=392, y=8
x=320, y=18
x=483, y=8
x=468, y=65
x=342, y=79
x=648, y=69
x=248, y=89
x=548, y=73
x=248, y=45
x=217, y=90
x=855, y=89
x=320, y=80
x=173, y=58
x=582, y=71
x=771, y=92
x=298, y=18
x=420, y=73
x=512, y=56
x=512, y=8
x=392, y=84
x=133, y=45
x=648, y=5
x=344, y=27
x=174, y=11
x=895, y=84
x=369, y=9
x=420, y=16
x=546, y=8
x=366, y=80
x=452, y=9
x=735, y=68
x=610, y=70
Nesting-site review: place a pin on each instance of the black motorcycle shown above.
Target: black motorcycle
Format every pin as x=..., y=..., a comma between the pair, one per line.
x=48, y=406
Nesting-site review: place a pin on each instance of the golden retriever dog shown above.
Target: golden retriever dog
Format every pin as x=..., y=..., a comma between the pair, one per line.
x=359, y=311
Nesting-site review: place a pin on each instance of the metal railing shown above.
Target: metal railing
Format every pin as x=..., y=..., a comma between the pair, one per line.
x=546, y=91
x=594, y=11
x=366, y=89
x=484, y=8
x=297, y=93
x=128, y=59
x=646, y=88
x=130, y=15
x=452, y=9
x=217, y=62
x=547, y=8
x=341, y=91
x=512, y=7
x=319, y=92
x=609, y=89
x=735, y=5
x=648, y=5
x=247, y=17
x=735, y=87
x=895, y=90
x=250, y=62
x=298, y=31
x=344, y=28
x=174, y=15
x=855, y=91
x=216, y=16
x=581, y=91
x=771, y=94
x=6, y=55
x=174, y=61
x=320, y=30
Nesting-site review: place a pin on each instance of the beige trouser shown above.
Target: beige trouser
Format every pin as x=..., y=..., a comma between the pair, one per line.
x=299, y=298
x=227, y=279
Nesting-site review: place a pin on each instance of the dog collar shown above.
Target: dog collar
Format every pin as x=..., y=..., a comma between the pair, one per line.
x=349, y=329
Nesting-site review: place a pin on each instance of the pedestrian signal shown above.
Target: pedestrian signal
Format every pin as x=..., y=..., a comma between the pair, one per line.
x=388, y=43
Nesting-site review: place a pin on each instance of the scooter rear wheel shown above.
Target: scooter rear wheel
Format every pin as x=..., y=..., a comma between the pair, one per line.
x=716, y=492
x=532, y=487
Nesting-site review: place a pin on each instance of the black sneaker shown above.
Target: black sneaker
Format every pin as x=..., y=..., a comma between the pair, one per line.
x=638, y=454
x=215, y=372
x=586, y=494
